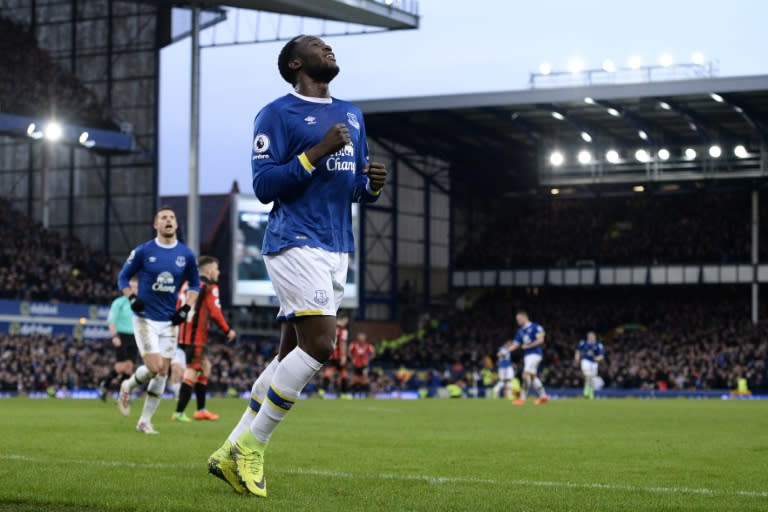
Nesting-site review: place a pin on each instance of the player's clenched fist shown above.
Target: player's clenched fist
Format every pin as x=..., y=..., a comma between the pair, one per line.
x=336, y=138
x=377, y=173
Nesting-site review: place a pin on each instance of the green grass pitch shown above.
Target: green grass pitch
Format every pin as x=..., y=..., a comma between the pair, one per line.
x=367, y=455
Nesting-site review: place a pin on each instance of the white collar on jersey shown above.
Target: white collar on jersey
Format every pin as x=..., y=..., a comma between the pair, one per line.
x=166, y=246
x=312, y=99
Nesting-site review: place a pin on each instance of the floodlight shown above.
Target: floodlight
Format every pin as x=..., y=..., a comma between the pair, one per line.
x=642, y=134
x=85, y=141
x=663, y=154
x=635, y=62
x=556, y=159
x=554, y=191
x=666, y=60
x=613, y=112
x=612, y=156
x=576, y=65
x=545, y=68
x=609, y=66
x=33, y=132
x=715, y=151
x=584, y=157
x=557, y=115
x=689, y=154
x=664, y=105
x=638, y=188
x=740, y=151
x=642, y=156
x=53, y=131
x=697, y=58
x=586, y=137
x=589, y=101
x=717, y=97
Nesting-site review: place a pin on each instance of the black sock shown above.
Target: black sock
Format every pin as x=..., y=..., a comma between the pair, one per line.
x=200, y=390
x=185, y=394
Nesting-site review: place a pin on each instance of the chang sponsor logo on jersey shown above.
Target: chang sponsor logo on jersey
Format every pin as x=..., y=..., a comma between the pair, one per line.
x=164, y=283
x=342, y=160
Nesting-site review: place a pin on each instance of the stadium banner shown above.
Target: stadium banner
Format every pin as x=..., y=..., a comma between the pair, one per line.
x=25, y=308
x=33, y=328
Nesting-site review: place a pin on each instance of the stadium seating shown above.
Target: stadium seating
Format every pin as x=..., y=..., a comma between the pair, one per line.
x=38, y=85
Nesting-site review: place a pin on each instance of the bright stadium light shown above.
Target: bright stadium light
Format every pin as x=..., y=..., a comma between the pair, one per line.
x=638, y=188
x=717, y=97
x=635, y=62
x=740, y=151
x=666, y=60
x=545, y=68
x=33, y=132
x=554, y=191
x=642, y=155
x=715, y=151
x=85, y=141
x=586, y=137
x=557, y=115
x=642, y=134
x=556, y=159
x=53, y=131
x=663, y=105
x=612, y=156
x=689, y=154
x=584, y=157
x=663, y=154
x=575, y=65
x=612, y=111
x=589, y=101
x=697, y=58
x=609, y=66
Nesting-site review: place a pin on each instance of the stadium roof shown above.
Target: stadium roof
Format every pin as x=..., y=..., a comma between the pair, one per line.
x=498, y=138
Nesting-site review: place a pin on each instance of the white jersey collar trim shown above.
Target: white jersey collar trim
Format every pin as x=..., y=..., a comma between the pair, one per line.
x=166, y=246
x=312, y=99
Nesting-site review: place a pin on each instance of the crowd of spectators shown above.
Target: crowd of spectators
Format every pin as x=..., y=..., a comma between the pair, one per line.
x=34, y=84
x=698, y=228
x=42, y=265
x=681, y=339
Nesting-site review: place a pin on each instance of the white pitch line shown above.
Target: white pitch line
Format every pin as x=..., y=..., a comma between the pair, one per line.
x=432, y=480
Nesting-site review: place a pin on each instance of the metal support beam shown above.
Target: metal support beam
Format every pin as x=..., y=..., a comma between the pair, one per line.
x=193, y=199
x=393, y=278
x=427, y=263
x=755, y=255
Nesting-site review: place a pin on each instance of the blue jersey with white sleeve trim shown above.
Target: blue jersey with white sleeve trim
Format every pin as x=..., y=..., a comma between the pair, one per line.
x=310, y=207
x=527, y=335
x=504, y=357
x=589, y=351
x=161, y=270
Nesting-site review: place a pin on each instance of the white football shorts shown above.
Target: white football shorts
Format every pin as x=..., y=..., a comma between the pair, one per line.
x=155, y=337
x=589, y=368
x=507, y=373
x=531, y=363
x=308, y=281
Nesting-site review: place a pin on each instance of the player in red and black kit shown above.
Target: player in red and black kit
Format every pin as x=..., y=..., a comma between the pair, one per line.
x=193, y=338
x=335, y=374
x=361, y=352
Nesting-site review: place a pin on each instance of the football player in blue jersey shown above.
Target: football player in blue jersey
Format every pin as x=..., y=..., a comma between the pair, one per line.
x=589, y=353
x=162, y=265
x=309, y=158
x=506, y=372
x=530, y=337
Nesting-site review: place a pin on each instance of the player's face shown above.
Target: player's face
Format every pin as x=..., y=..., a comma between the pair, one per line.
x=165, y=224
x=317, y=59
x=591, y=337
x=215, y=272
x=521, y=320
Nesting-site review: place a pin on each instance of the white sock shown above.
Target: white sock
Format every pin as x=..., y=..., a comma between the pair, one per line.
x=539, y=387
x=142, y=375
x=154, y=392
x=497, y=388
x=258, y=392
x=291, y=376
x=526, y=386
x=174, y=388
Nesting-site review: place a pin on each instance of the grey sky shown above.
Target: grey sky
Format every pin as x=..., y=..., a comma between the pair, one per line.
x=485, y=45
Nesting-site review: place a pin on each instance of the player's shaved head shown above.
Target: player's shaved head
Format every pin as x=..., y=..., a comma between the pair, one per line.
x=287, y=54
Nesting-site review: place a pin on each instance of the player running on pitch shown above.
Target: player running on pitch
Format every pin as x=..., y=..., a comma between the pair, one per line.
x=530, y=337
x=589, y=353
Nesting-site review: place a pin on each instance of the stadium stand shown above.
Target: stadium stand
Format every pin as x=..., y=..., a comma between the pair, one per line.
x=38, y=85
x=694, y=228
x=43, y=265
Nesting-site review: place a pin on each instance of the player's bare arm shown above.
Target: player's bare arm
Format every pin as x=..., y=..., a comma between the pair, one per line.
x=377, y=173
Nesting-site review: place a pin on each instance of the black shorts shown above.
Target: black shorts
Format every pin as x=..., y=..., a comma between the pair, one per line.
x=127, y=351
x=361, y=371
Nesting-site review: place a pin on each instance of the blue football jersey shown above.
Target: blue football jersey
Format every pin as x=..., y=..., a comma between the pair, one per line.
x=527, y=335
x=589, y=351
x=310, y=208
x=161, y=270
x=505, y=357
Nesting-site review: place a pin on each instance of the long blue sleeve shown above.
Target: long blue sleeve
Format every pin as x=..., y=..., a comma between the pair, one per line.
x=130, y=268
